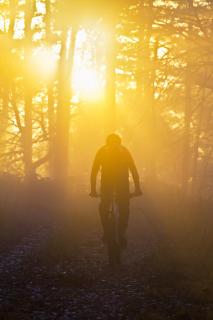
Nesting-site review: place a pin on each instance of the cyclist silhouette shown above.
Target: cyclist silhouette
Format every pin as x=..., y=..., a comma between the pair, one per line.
x=115, y=163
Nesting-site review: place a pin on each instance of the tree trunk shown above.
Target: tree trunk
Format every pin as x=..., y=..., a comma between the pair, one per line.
x=145, y=87
x=4, y=115
x=111, y=81
x=27, y=131
x=187, y=119
x=27, y=135
x=51, y=121
x=51, y=111
x=61, y=150
x=196, y=147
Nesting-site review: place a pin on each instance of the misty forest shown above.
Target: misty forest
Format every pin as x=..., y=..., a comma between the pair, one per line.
x=71, y=73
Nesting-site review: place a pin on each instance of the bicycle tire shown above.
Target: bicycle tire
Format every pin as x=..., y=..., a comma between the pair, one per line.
x=113, y=247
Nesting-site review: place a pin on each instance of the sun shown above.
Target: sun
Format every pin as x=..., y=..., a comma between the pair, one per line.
x=43, y=62
x=88, y=77
x=87, y=84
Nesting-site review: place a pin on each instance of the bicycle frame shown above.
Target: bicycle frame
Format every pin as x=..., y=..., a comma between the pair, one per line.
x=113, y=246
x=112, y=237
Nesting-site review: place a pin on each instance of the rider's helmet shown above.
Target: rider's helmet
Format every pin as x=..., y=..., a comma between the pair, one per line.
x=113, y=139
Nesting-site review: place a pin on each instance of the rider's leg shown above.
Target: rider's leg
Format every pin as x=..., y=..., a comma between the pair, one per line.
x=104, y=210
x=123, y=207
x=123, y=216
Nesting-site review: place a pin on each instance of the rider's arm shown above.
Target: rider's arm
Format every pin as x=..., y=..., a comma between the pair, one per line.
x=95, y=168
x=134, y=172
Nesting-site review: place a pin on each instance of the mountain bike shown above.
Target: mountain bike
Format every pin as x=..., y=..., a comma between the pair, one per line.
x=112, y=236
x=113, y=240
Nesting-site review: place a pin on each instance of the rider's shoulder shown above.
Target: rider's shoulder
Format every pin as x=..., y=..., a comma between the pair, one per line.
x=126, y=154
x=125, y=150
x=101, y=151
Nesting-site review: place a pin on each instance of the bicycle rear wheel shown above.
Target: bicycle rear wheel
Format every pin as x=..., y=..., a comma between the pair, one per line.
x=114, y=256
x=113, y=247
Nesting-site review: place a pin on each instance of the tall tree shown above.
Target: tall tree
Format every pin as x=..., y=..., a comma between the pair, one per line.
x=61, y=152
x=28, y=93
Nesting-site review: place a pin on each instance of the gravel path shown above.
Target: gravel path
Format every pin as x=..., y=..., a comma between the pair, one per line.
x=37, y=284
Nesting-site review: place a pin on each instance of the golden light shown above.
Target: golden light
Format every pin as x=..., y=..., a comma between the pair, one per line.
x=43, y=62
x=161, y=52
x=87, y=84
x=88, y=76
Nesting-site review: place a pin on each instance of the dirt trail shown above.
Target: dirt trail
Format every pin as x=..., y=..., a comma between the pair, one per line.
x=37, y=284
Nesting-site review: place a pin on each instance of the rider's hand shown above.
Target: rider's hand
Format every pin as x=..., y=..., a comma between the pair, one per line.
x=93, y=194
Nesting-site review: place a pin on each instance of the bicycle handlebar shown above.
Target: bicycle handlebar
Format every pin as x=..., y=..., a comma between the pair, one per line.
x=135, y=195
x=131, y=195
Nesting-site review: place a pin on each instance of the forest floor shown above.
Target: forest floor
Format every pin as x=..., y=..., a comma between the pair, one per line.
x=59, y=271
